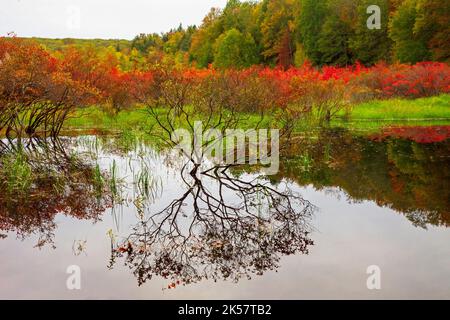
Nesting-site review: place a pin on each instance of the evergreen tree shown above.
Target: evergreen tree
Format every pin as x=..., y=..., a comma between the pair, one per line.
x=370, y=46
x=202, y=45
x=309, y=25
x=433, y=23
x=276, y=28
x=409, y=45
x=333, y=43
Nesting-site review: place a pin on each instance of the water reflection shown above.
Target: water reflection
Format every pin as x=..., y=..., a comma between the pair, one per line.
x=221, y=227
x=208, y=222
x=40, y=180
x=397, y=172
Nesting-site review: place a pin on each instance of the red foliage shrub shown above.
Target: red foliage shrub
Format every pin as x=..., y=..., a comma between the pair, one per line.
x=421, y=80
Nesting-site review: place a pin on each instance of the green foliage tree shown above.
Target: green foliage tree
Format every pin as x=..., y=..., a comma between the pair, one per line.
x=370, y=46
x=178, y=40
x=186, y=41
x=202, y=46
x=433, y=23
x=333, y=43
x=241, y=16
x=309, y=25
x=276, y=20
x=409, y=46
x=143, y=42
x=235, y=50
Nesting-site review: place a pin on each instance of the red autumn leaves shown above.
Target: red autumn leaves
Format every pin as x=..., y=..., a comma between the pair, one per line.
x=31, y=77
x=418, y=134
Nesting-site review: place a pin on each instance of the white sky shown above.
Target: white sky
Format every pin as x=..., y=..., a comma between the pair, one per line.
x=108, y=19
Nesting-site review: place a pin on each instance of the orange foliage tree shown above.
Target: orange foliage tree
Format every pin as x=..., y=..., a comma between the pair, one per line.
x=37, y=92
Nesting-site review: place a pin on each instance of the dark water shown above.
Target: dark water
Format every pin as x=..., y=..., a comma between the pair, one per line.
x=340, y=203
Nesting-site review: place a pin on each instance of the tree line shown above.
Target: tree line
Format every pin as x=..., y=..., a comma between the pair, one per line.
x=289, y=32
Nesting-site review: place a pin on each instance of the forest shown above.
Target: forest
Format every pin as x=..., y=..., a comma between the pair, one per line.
x=287, y=33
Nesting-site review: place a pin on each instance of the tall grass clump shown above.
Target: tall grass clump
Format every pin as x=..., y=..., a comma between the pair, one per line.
x=16, y=174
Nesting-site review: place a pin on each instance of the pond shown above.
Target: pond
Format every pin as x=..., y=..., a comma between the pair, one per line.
x=142, y=223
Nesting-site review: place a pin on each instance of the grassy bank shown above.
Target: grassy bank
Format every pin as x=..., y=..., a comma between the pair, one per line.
x=368, y=116
x=434, y=108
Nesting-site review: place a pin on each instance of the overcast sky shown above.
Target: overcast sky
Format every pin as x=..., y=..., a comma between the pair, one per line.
x=109, y=19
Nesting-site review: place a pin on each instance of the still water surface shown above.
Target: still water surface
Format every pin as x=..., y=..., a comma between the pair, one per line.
x=340, y=203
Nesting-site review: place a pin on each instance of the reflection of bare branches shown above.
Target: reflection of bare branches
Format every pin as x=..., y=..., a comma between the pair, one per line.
x=221, y=228
x=78, y=247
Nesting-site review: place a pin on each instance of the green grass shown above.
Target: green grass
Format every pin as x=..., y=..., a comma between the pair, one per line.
x=95, y=118
x=370, y=116
x=434, y=108
x=15, y=172
x=137, y=120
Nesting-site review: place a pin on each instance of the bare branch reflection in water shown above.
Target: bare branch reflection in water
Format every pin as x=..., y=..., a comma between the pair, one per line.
x=221, y=227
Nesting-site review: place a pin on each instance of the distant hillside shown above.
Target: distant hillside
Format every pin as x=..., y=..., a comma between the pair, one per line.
x=57, y=44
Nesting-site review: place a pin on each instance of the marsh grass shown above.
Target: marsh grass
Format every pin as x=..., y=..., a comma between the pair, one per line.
x=143, y=182
x=98, y=181
x=113, y=179
x=15, y=172
x=146, y=185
